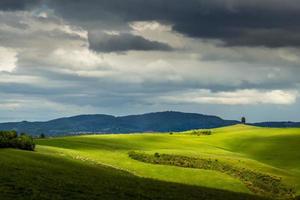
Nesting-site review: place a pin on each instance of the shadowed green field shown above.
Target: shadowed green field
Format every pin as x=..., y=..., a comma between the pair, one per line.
x=273, y=152
x=43, y=176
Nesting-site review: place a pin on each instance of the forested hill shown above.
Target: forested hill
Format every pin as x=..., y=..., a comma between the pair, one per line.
x=151, y=122
x=287, y=124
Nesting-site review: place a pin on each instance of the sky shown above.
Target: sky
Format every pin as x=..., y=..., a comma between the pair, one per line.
x=229, y=58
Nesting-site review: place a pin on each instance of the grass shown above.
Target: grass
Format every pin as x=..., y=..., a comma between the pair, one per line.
x=46, y=176
x=258, y=183
x=79, y=160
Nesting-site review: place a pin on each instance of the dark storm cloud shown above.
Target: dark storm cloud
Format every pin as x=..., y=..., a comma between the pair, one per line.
x=8, y=5
x=270, y=23
x=102, y=42
x=269, y=38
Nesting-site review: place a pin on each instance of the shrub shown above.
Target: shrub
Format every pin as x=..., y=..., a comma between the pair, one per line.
x=25, y=142
x=6, y=137
x=156, y=155
x=201, y=132
x=11, y=139
x=8, y=134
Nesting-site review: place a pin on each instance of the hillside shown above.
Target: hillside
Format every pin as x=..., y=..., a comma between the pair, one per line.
x=234, y=162
x=151, y=122
x=45, y=175
x=287, y=124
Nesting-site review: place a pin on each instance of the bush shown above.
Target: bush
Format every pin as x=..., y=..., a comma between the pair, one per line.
x=156, y=155
x=10, y=139
x=6, y=137
x=201, y=132
x=24, y=142
x=8, y=134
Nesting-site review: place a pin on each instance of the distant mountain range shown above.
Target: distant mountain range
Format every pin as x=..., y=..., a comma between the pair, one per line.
x=150, y=122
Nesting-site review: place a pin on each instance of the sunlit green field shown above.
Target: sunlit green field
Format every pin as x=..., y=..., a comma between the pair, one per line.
x=270, y=151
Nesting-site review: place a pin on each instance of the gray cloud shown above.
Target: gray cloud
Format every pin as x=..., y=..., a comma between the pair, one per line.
x=269, y=23
x=102, y=42
x=59, y=69
x=9, y=5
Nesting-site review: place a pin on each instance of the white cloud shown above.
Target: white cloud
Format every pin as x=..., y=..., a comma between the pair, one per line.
x=154, y=30
x=8, y=59
x=149, y=25
x=81, y=58
x=238, y=97
x=29, y=106
x=14, y=78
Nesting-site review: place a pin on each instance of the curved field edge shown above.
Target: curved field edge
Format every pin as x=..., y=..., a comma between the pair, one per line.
x=35, y=176
x=259, y=183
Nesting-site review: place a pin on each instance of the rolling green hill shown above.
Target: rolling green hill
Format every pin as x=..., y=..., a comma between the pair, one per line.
x=234, y=162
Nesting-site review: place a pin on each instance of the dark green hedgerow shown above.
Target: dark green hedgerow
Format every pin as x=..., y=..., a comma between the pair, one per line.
x=201, y=132
x=259, y=183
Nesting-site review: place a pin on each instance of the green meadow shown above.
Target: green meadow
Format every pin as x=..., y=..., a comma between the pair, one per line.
x=99, y=166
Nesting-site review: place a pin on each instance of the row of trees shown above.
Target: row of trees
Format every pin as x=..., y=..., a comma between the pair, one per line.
x=11, y=139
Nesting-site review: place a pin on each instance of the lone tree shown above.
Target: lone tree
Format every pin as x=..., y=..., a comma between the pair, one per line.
x=243, y=120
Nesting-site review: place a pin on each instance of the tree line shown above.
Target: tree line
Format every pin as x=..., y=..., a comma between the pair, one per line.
x=11, y=139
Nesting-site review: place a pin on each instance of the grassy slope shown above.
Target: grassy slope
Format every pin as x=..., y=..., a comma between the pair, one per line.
x=113, y=150
x=271, y=151
x=274, y=147
x=46, y=176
